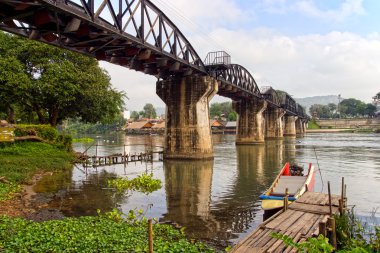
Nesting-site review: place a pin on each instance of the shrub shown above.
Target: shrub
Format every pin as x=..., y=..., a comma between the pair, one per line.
x=65, y=142
x=46, y=132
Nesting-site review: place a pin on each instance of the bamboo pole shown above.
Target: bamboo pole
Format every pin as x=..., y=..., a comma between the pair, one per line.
x=341, y=205
x=150, y=235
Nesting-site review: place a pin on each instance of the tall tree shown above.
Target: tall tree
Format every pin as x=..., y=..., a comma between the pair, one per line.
x=149, y=111
x=13, y=80
x=62, y=84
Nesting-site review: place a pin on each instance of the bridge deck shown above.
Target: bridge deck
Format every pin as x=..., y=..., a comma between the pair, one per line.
x=299, y=222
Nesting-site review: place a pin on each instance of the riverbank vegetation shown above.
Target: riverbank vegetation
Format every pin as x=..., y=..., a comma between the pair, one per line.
x=20, y=161
x=110, y=232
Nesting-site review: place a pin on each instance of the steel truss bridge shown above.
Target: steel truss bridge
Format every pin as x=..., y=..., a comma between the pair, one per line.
x=135, y=34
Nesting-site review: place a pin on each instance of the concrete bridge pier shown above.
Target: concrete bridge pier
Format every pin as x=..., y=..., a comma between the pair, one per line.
x=300, y=127
x=188, y=132
x=274, y=123
x=290, y=125
x=251, y=123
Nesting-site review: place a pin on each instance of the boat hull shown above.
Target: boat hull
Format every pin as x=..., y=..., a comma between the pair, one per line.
x=273, y=201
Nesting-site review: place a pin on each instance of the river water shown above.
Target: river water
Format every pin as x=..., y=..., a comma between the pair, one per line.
x=217, y=201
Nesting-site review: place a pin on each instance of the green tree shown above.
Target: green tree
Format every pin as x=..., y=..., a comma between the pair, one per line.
x=59, y=84
x=149, y=111
x=13, y=80
x=135, y=115
x=352, y=107
x=370, y=110
x=218, y=110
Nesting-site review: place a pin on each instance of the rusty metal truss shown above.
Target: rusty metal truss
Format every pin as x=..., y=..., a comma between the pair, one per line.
x=131, y=33
x=271, y=96
x=235, y=81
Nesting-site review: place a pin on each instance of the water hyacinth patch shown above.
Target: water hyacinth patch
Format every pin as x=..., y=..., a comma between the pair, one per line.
x=144, y=183
x=103, y=233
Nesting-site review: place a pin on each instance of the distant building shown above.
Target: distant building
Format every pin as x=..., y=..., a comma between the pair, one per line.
x=230, y=127
x=127, y=114
x=139, y=127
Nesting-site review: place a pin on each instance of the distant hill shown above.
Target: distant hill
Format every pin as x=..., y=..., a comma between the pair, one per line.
x=322, y=100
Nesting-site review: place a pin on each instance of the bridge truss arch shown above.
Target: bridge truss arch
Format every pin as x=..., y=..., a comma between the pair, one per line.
x=236, y=81
x=131, y=33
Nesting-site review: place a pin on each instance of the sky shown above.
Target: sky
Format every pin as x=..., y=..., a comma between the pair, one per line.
x=305, y=47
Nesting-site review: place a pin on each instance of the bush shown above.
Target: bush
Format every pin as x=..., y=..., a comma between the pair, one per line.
x=65, y=141
x=46, y=132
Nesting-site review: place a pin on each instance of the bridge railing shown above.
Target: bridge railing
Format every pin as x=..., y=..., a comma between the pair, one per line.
x=217, y=58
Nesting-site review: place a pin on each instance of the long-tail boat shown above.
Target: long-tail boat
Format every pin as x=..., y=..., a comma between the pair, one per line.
x=290, y=182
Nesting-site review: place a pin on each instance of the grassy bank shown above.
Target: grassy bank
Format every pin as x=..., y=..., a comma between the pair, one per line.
x=20, y=161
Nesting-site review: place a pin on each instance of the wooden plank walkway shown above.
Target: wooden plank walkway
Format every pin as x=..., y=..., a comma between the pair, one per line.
x=299, y=222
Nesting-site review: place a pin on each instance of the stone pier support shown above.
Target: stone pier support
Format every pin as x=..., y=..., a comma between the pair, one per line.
x=188, y=132
x=274, y=123
x=304, y=124
x=290, y=125
x=300, y=127
x=251, y=123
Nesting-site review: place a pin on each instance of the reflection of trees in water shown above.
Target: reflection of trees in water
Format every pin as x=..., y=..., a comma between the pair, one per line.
x=86, y=197
x=188, y=189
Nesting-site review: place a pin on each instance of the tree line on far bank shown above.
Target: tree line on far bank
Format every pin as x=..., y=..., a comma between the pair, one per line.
x=347, y=108
x=45, y=84
x=222, y=111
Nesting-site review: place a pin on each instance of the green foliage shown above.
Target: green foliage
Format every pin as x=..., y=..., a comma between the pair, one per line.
x=135, y=115
x=54, y=84
x=7, y=190
x=83, y=140
x=356, y=236
x=149, y=111
x=105, y=233
x=311, y=245
x=312, y=125
x=65, y=142
x=46, y=132
x=143, y=183
x=222, y=110
x=352, y=108
x=21, y=160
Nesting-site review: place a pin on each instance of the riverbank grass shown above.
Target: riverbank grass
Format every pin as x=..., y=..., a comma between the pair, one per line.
x=313, y=125
x=20, y=161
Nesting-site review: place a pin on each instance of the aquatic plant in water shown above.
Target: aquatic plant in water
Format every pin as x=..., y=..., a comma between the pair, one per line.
x=144, y=183
x=108, y=232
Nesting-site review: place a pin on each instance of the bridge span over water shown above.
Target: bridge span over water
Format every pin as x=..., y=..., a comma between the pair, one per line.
x=136, y=34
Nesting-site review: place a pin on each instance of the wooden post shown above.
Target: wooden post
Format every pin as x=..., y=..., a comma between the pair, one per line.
x=331, y=221
x=124, y=154
x=322, y=228
x=341, y=205
x=96, y=151
x=330, y=206
x=150, y=235
x=286, y=199
x=341, y=209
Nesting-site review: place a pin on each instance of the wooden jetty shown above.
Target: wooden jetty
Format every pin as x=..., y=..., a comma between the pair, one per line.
x=310, y=215
x=105, y=160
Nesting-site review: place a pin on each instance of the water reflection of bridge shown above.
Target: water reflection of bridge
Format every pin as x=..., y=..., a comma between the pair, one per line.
x=189, y=192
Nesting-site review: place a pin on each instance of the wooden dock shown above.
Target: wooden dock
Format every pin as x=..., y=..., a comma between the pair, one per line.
x=105, y=160
x=304, y=218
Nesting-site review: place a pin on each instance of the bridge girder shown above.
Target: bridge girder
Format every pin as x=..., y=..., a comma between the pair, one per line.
x=131, y=33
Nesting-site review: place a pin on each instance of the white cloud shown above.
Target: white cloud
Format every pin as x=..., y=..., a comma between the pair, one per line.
x=309, y=65
x=345, y=10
